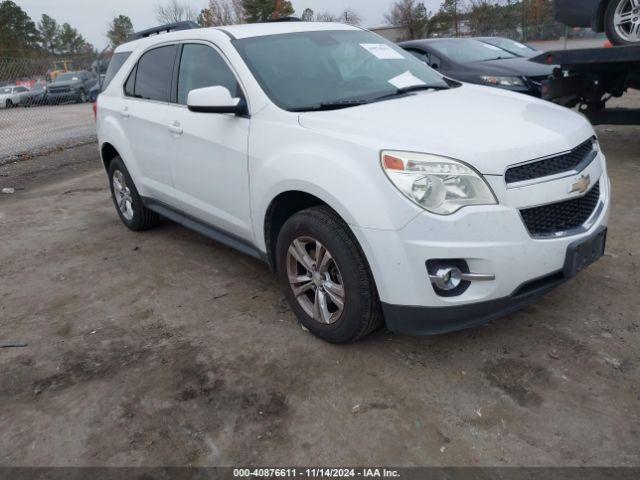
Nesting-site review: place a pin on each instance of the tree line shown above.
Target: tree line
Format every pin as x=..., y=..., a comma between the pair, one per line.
x=518, y=19
x=20, y=36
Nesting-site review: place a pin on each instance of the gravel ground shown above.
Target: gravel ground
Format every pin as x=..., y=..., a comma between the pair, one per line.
x=30, y=131
x=166, y=348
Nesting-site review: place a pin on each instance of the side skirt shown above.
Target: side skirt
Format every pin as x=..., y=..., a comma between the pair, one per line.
x=203, y=228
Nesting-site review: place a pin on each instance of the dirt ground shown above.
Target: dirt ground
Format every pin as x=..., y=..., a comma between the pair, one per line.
x=165, y=348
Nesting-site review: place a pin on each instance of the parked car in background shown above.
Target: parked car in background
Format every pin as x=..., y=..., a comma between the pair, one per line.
x=36, y=96
x=473, y=61
x=376, y=188
x=519, y=49
x=10, y=95
x=620, y=19
x=95, y=90
x=71, y=87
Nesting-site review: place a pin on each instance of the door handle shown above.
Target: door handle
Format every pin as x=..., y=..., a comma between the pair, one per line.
x=125, y=112
x=176, y=128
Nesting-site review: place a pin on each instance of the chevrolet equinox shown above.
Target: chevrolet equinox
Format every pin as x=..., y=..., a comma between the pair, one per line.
x=378, y=190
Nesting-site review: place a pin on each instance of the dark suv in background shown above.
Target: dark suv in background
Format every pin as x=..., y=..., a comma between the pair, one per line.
x=620, y=19
x=71, y=87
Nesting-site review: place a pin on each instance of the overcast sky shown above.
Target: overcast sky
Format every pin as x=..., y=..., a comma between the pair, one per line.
x=91, y=17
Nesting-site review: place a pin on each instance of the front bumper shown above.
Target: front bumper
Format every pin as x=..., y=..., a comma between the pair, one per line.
x=437, y=320
x=72, y=96
x=492, y=240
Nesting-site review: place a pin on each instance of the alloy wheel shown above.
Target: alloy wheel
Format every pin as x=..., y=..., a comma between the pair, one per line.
x=626, y=20
x=315, y=280
x=122, y=195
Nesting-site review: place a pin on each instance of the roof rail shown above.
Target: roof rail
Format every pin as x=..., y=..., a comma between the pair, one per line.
x=170, y=27
x=284, y=19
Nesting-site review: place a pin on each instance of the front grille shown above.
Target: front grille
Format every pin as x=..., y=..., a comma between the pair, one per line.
x=562, y=216
x=551, y=166
x=59, y=90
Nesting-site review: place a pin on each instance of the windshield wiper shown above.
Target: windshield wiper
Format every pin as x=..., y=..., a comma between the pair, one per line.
x=404, y=91
x=357, y=102
x=329, y=106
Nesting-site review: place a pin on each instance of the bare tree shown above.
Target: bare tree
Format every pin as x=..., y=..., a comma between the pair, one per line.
x=413, y=16
x=350, y=17
x=175, y=11
x=308, y=15
x=222, y=12
x=326, y=17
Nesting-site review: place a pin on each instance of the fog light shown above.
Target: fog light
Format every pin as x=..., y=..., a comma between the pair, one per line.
x=447, y=278
x=452, y=277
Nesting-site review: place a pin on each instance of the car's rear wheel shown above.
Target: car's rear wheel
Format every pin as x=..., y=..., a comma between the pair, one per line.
x=326, y=277
x=127, y=200
x=622, y=22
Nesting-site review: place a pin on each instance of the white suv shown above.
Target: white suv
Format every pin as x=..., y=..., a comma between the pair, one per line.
x=378, y=190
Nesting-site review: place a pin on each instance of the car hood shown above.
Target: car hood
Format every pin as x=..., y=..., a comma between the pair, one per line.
x=521, y=67
x=67, y=83
x=486, y=127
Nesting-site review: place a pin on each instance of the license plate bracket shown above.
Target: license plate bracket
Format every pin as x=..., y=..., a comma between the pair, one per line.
x=585, y=252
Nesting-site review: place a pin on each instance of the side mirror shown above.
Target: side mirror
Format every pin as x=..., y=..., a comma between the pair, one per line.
x=215, y=100
x=435, y=66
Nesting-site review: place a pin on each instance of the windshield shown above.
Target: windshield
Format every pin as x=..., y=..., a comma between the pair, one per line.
x=5, y=90
x=510, y=45
x=68, y=77
x=304, y=71
x=467, y=50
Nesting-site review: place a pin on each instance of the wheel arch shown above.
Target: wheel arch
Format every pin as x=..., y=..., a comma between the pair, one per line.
x=284, y=205
x=107, y=153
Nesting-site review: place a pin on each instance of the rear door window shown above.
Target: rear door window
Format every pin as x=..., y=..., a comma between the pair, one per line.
x=202, y=66
x=154, y=74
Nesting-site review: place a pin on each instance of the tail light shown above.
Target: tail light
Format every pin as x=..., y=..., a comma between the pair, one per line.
x=95, y=111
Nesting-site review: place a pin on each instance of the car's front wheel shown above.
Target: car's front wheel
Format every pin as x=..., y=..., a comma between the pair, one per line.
x=82, y=97
x=622, y=22
x=127, y=200
x=9, y=104
x=326, y=277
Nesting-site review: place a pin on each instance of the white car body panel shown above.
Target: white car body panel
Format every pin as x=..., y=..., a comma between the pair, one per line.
x=503, y=128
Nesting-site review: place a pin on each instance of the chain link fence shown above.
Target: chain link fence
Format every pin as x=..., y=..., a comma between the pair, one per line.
x=45, y=103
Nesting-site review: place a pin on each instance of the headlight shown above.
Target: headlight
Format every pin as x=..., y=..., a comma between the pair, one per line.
x=437, y=184
x=503, y=81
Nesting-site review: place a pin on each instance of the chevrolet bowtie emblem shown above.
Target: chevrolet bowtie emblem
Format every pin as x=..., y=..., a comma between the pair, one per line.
x=582, y=185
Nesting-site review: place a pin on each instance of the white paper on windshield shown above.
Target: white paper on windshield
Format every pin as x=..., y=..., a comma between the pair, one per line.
x=407, y=79
x=492, y=47
x=382, y=51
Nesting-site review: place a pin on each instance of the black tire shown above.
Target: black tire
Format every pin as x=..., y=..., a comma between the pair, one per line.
x=609, y=24
x=142, y=218
x=9, y=104
x=82, y=97
x=362, y=313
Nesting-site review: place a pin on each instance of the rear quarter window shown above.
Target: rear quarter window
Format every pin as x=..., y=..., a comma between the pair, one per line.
x=115, y=65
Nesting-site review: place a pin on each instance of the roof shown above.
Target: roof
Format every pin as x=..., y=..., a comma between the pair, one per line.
x=239, y=31
x=427, y=41
x=276, y=28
